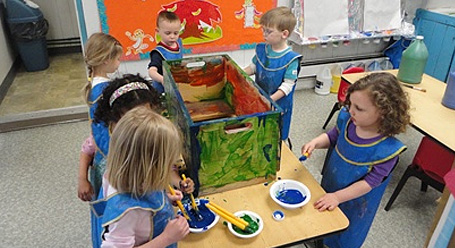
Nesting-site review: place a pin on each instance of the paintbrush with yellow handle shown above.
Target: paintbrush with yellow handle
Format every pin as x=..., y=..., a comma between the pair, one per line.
x=193, y=203
x=234, y=220
x=179, y=204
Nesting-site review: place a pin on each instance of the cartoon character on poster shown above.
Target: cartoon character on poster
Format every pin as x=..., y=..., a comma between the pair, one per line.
x=250, y=15
x=139, y=38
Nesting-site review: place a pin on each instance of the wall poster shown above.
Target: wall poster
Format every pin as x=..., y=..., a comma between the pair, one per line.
x=207, y=25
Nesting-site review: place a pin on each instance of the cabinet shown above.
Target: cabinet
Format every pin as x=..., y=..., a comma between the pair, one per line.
x=439, y=32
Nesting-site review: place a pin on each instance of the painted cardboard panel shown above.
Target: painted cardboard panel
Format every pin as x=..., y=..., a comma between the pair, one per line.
x=234, y=138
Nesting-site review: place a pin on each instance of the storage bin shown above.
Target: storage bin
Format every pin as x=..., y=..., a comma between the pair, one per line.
x=230, y=127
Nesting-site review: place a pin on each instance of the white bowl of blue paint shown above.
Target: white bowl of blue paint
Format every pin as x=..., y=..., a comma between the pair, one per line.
x=290, y=194
x=202, y=222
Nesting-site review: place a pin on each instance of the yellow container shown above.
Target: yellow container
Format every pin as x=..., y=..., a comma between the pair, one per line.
x=336, y=78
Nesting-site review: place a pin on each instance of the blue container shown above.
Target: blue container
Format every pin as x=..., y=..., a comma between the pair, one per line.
x=448, y=99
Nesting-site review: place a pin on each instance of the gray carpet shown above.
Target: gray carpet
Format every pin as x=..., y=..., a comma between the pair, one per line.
x=38, y=181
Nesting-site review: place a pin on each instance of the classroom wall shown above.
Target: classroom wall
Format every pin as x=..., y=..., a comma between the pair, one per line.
x=92, y=25
x=6, y=51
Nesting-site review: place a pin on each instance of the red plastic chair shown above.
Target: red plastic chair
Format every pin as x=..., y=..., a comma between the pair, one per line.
x=430, y=164
x=342, y=92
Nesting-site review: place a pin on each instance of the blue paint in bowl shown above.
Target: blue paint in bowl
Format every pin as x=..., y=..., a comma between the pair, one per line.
x=291, y=196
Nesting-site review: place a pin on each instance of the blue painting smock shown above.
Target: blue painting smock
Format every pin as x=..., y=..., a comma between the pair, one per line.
x=166, y=54
x=270, y=74
x=349, y=163
x=100, y=133
x=110, y=209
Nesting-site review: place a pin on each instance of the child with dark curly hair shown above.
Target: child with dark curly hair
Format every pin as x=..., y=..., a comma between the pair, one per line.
x=364, y=154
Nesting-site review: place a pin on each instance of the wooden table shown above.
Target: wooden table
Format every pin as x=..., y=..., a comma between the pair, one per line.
x=305, y=223
x=429, y=117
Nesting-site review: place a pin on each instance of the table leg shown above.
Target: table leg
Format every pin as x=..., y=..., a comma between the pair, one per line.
x=319, y=243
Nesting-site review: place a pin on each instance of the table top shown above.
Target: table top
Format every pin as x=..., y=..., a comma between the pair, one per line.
x=298, y=225
x=428, y=115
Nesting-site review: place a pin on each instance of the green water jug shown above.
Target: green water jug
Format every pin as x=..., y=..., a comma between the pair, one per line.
x=413, y=62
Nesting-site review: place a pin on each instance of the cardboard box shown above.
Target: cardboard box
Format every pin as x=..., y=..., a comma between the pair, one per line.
x=231, y=128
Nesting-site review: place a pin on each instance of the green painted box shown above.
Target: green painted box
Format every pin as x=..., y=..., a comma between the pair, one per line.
x=230, y=127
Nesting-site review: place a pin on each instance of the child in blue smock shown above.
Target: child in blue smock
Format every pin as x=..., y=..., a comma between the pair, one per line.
x=135, y=209
x=364, y=154
x=119, y=96
x=168, y=26
x=275, y=65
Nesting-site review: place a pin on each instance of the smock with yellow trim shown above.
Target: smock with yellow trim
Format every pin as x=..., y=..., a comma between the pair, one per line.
x=348, y=163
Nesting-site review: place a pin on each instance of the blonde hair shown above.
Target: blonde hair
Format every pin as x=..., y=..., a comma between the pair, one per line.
x=387, y=95
x=143, y=148
x=100, y=47
x=280, y=18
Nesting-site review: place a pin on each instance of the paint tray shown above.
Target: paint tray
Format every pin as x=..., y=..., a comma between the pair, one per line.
x=230, y=128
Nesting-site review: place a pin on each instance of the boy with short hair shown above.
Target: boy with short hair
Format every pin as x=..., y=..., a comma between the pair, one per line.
x=275, y=65
x=168, y=26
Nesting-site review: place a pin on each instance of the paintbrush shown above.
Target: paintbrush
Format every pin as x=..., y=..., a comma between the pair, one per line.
x=179, y=204
x=414, y=88
x=193, y=203
x=234, y=220
x=304, y=157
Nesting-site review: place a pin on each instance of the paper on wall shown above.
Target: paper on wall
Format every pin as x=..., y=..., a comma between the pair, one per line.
x=381, y=15
x=325, y=17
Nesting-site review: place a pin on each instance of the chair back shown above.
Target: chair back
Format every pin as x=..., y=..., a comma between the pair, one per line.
x=345, y=85
x=434, y=159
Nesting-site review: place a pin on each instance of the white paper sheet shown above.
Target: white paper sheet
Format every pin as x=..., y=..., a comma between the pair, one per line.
x=381, y=15
x=325, y=17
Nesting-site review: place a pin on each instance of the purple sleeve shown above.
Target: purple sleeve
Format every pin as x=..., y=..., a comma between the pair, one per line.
x=375, y=177
x=333, y=135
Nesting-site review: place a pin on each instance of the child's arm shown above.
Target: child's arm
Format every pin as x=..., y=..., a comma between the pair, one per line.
x=277, y=95
x=175, y=230
x=153, y=73
x=288, y=84
x=331, y=200
x=250, y=69
x=322, y=141
x=84, y=188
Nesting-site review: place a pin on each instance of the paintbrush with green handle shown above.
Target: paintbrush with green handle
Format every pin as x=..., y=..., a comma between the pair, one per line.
x=193, y=203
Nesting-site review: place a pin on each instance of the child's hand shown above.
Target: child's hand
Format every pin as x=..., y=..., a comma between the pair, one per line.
x=187, y=186
x=308, y=148
x=176, y=229
x=174, y=198
x=328, y=201
x=85, y=190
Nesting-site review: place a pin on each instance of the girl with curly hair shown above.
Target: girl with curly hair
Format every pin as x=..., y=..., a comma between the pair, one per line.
x=364, y=153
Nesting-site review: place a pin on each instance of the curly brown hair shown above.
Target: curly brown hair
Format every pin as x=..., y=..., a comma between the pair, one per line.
x=388, y=96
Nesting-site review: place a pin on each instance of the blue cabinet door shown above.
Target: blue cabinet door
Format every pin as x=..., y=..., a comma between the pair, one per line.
x=439, y=32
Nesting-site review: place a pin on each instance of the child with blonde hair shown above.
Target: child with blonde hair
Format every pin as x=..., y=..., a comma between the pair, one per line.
x=275, y=65
x=365, y=152
x=136, y=210
x=102, y=56
x=121, y=95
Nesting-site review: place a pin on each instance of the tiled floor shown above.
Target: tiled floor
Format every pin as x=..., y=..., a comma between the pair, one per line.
x=59, y=86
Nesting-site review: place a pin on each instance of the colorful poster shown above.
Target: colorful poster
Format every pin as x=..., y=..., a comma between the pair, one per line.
x=207, y=25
